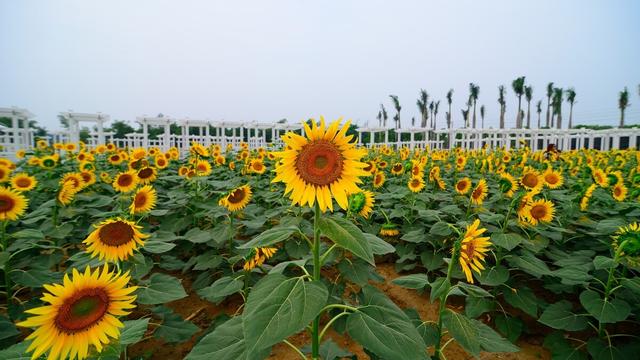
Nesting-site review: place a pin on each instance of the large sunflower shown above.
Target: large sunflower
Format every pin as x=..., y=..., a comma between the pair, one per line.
x=125, y=181
x=237, y=199
x=143, y=200
x=463, y=185
x=531, y=179
x=416, y=184
x=203, y=168
x=552, y=179
x=147, y=174
x=23, y=182
x=473, y=249
x=82, y=312
x=323, y=165
x=479, y=193
x=540, y=211
x=12, y=204
x=115, y=239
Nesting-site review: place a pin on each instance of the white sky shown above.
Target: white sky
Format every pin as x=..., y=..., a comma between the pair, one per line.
x=267, y=60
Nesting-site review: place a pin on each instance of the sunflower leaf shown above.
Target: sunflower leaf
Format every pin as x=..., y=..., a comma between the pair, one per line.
x=344, y=233
x=270, y=237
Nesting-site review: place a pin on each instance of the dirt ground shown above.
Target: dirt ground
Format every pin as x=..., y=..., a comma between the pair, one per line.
x=201, y=313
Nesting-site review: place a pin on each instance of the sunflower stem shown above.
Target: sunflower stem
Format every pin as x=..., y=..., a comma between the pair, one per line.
x=315, y=338
x=443, y=304
x=7, y=268
x=607, y=289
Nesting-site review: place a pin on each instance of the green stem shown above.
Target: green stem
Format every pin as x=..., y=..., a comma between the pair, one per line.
x=315, y=339
x=7, y=267
x=326, y=327
x=443, y=303
x=607, y=289
x=232, y=233
x=295, y=348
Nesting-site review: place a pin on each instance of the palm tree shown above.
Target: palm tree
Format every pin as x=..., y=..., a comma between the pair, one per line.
x=468, y=118
x=431, y=106
x=449, y=114
x=518, y=89
x=465, y=113
x=528, y=94
x=385, y=116
x=413, y=121
x=435, y=114
x=474, y=91
x=396, y=105
x=557, y=102
x=549, y=94
x=539, y=111
x=503, y=104
x=379, y=117
x=623, y=103
x=482, y=116
x=422, y=102
x=571, y=99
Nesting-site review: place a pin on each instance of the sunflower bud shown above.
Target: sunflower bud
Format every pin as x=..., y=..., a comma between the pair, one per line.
x=356, y=202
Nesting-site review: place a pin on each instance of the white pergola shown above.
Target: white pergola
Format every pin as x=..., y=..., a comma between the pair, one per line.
x=145, y=122
x=75, y=118
x=18, y=135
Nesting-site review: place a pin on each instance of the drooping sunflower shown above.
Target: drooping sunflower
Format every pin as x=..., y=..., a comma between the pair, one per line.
x=540, y=211
x=397, y=169
x=584, y=201
x=508, y=184
x=479, y=193
x=73, y=179
x=531, y=179
x=5, y=174
x=552, y=179
x=115, y=239
x=378, y=179
x=138, y=153
x=82, y=312
x=600, y=177
x=67, y=193
x=143, y=200
x=473, y=248
x=237, y=199
x=416, y=184
x=258, y=256
x=125, y=181
x=12, y=204
x=23, y=182
x=628, y=237
x=362, y=203
x=619, y=192
x=323, y=165
x=389, y=230
x=199, y=150
x=463, y=185
x=147, y=175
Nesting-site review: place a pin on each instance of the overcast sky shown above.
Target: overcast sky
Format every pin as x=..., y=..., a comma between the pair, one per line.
x=267, y=60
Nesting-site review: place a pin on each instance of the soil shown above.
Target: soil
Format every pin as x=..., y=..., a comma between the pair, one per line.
x=202, y=313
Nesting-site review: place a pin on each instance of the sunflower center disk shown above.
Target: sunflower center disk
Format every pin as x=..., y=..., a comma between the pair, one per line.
x=23, y=182
x=530, y=180
x=145, y=173
x=125, y=180
x=6, y=203
x=141, y=199
x=82, y=310
x=538, y=211
x=319, y=163
x=116, y=233
x=236, y=196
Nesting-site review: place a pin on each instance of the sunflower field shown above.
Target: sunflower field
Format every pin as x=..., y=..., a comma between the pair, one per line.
x=319, y=250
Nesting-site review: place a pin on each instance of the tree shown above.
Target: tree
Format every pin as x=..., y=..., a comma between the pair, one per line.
x=435, y=114
x=518, y=89
x=120, y=129
x=449, y=99
x=549, y=94
x=464, y=114
x=431, y=107
x=623, y=103
x=474, y=91
x=557, y=105
x=385, y=116
x=539, y=111
x=571, y=99
x=528, y=94
x=468, y=118
x=396, y=105
x=482, y=116
x=413, y=121
x=422, y=102
x=503, y=104
x=379, y=117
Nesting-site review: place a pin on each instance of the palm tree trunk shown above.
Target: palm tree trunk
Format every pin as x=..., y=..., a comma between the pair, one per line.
x=560, y=120
x=548, y=110
x=529, y=114
x=518, y=120
x=501, y=116
x=621, y=117
x=450, y=118
x=482, y=126
x=570, y=116
x=474, y=114
x=538, y=120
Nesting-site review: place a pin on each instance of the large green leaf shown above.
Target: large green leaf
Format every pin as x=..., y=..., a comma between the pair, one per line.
x=379, y=246
x=133, y=331
x=609, y=311
x=381, y=327
x=494, y=276
x=226, y=342
x=560, y=316
x=463, y=330
x=413, y=281
x=522, y=298
x=344, y=233
x=507, y=241
x=221, y=288
x=279, y=307
x=159, y=289
x=492, y=341
x=527, y=262
x=270, y=237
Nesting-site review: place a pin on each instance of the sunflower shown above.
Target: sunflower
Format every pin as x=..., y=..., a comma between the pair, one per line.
x=628, y=237
x=389, y=230
x=378, y=179
x=125, y=181
x=257, y=166
x=552, y=179
x=115, y=159
x=138, y=153
x=258, y=256
x=584, y=202
x=508, y=184
x=539, y=211
x=461, y=161
x=237, y=199
x=20, y=154
x=82, y=311
x=479, y=193
x=463, y=185
x=161, y=161
x=370, y=168
x=199, y=150
x=183, y=170
x=203, y=168
x=74, y=180
x=600, y=177
x=146, y=175
x=70, y=147
x=416, y=184
x=323, y=165
x=362, y=203
x=67, y=193
x=143, y=200
x=473, y=249
x=619, y=192
x=23, y=182
x=115, y=239
x=232, y=165
x=88, y=178
x=397, y=169
x=531, y=179
x=5, y=173
x=12, y=204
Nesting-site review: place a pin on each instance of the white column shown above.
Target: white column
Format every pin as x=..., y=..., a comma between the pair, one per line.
x=100, y=126
x=166, y=137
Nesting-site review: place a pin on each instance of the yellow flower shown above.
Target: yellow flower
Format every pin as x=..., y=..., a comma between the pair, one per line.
x=23, y=182
x=473, y=249
x=619, y=192
x=67, y=193
x=12, y=204
x=258, y=256
x=362, y=203
x=600, y=178
x=540, y=211
x=463, y=185
x=146, y=175
x=161, y=161
x=416, y=184
x=584, y=202
x=323, y=165
x=257, y=166
x=81, y=312
x=378, y=179
x=237, y=199
x=203, y=168
x=5, y=173
x=531, y=180
x=628, y=237
x=479, y=193
x=125, y=181
x=552, y=179
x=508, y=184
x=397, y=169
x=115, y=240
x=389, y=230
x=143, y=200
